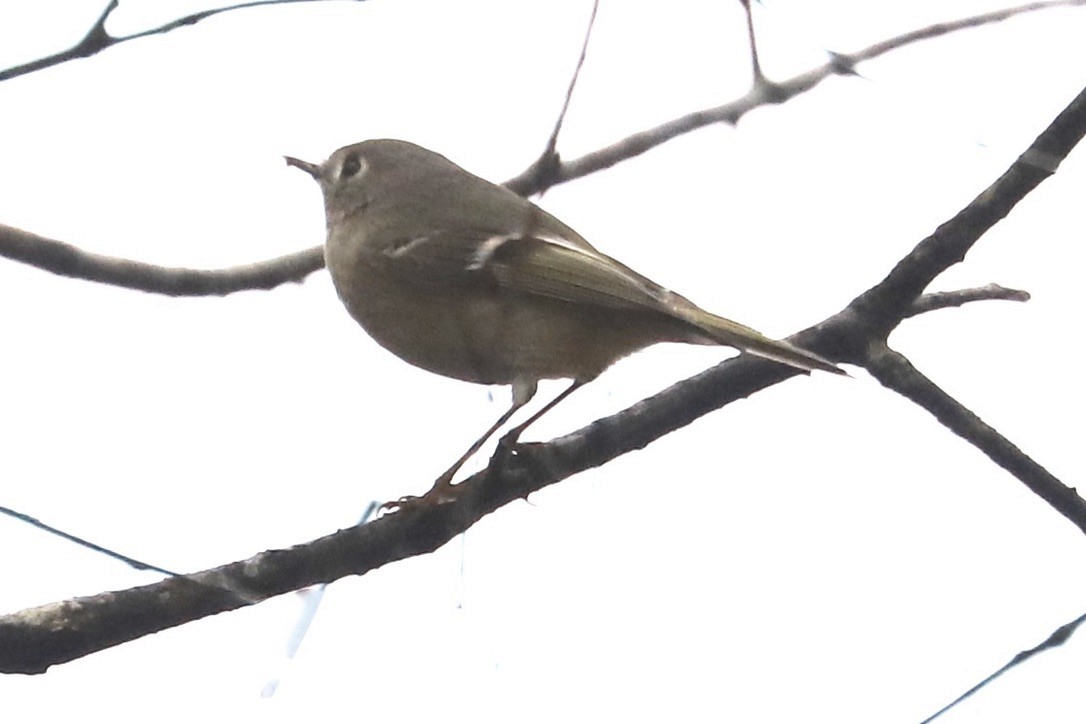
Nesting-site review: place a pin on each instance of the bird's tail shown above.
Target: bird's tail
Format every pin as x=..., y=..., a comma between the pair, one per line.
x=733, y=334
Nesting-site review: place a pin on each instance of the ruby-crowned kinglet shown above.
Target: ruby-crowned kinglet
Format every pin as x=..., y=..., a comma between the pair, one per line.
x=464, y=278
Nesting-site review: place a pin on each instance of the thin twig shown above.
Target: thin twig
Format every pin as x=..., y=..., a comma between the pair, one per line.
x=68, y=260
x=1057, y=638
x=137, y=564
x=98, y=39
x=547, y=164
x=944, y=300
x=840, y=64
x=758, y=77
x=34, y=639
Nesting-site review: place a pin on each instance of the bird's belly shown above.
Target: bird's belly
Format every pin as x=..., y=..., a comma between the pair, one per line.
x=486, y=335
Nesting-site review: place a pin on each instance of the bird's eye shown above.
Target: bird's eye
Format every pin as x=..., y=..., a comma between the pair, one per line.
x=351, y=166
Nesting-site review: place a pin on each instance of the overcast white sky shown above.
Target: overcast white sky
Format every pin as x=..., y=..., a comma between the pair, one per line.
x=823, y=551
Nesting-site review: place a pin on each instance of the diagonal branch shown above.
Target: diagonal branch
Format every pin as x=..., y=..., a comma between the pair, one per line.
x=886, y=302
x=98, y=38
x=68, y=260
x=70, y=537
x=34, y=639
x=1057, y=638
x=763, y=94
x=895, y=372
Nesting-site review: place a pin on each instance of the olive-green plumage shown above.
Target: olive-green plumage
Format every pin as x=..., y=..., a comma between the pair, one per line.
x=464, y=278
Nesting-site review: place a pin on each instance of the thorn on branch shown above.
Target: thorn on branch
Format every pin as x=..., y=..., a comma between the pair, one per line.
x=842, y=64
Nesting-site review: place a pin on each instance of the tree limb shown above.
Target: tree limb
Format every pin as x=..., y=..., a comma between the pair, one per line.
x=98, y=38
x=887, y=302
x=34, y=639
x=759, y=95
x=67, y=260
x=895, y=372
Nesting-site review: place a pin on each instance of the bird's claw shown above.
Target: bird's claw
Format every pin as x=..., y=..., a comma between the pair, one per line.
x=442, y=493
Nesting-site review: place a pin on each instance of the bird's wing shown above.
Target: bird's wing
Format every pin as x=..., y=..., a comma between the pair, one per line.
x=544, y=264
x=549, y=265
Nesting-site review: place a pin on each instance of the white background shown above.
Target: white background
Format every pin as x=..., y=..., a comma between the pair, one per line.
x=823, y=551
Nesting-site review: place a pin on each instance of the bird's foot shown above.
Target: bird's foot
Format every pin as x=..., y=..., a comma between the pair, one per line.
x=503, y=451
x=508, y=443
x=443, y=492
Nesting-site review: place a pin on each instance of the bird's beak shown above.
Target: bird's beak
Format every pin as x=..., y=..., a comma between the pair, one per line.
x=310, y=168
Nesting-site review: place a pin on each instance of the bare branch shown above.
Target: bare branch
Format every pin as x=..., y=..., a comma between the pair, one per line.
x=880, y=309
x=546, y=165
x=760, y=95
x=33, y=640
x=944, y=300
x=67, y=260
x=70, y=261
x=309, y=613
x=888, y=301
x=128, y=560
x=98, y=39
x=758, y=77
x=1057, y=638
x=36, y=638
x=895, y=372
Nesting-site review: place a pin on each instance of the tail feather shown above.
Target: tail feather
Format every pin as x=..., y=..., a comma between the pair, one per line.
x=733, y=334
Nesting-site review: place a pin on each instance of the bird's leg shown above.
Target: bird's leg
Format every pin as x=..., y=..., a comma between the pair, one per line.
x=510, y=438
x=444, y=481
x=443, y=490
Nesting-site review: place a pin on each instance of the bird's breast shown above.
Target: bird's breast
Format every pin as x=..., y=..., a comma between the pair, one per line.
x=477, y=331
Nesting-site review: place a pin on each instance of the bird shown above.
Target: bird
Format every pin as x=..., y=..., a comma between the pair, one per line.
x=464, y=278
